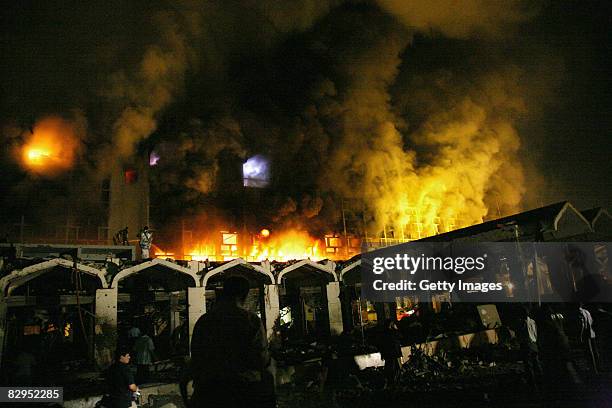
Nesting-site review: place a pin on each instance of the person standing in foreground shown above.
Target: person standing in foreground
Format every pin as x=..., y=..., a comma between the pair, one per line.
x=120, y=381
x=229, y=354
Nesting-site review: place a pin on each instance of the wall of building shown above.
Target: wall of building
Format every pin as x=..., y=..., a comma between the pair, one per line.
x=129, y=197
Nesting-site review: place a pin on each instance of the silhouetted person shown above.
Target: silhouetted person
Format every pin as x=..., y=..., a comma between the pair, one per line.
x=603, y=324
x=144, y=355
x=121, y=237
x=229, y=353
x=559, y=372
x=120, y=381
x=185, y=377
x=390, y=351
x=145, y=240
x=527, y=334
x=132, y=334
x=587, y=337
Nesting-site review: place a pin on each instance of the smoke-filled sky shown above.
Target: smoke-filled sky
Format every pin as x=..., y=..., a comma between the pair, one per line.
x=404, y=112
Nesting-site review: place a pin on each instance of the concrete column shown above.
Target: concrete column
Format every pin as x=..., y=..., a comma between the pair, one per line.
x=272, y=307
x=196, y=300
x=106, y=326
x=334, y=308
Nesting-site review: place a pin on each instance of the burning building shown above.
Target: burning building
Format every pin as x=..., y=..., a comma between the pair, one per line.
x=277, y=141
x=101, y=291
x=327, y=133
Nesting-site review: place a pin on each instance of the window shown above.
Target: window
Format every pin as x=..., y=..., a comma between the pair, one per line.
x=131, y=176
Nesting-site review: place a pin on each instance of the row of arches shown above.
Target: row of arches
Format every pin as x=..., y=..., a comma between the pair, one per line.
x=22, y=276
x=104, y=305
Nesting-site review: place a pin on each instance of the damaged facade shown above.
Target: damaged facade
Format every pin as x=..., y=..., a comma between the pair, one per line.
x=105, y=299
x=84, y=298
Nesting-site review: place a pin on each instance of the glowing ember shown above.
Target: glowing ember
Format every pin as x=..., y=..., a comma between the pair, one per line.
x=51, y=148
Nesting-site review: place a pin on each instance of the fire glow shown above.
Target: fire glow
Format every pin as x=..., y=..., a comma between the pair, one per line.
x=51, y=147
x=286, y=246
x=279, y=246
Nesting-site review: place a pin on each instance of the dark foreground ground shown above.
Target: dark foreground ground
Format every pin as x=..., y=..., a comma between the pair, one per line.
x=486, y=390
x=484, y=377
x=482, y=386
x=487, y=377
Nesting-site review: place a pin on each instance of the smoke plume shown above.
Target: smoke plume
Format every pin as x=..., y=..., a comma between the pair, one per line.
x=463, y=18
x=156, y=81
x=337, y=127
x=356, y=130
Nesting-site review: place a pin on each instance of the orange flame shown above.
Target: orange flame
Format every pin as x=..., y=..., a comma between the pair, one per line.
x=279, y=246
x=160, y=253
x=286, y=246
x=51, y=148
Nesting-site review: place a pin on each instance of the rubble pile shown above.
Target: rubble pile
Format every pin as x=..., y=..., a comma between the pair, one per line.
x=425, y=380
x=424, y=373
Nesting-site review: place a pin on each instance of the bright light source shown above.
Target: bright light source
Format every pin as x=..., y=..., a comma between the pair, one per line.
x=36, y=157
x=256, y=172
x=265, y=233
x=51, y=147
x=153, y=158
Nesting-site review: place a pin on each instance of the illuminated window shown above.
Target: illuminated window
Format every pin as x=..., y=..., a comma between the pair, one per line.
x=131, y=176
x=256, y=172
x=333, y=242
x=230, y=239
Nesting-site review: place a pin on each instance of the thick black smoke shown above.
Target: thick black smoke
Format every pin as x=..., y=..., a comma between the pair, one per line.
x=399, y=113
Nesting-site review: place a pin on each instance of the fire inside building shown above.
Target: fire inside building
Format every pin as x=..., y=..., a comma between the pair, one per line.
x=165, y=165
x=71, y=293
x=73, y=303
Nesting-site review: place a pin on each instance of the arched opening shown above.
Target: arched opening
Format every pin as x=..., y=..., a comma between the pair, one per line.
x=356, y=311
x=50, y=315
x=152, y=299
x=257, y=277
x=303, y=301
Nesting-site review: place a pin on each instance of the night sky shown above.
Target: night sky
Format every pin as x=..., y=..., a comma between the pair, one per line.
x=480, y=110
